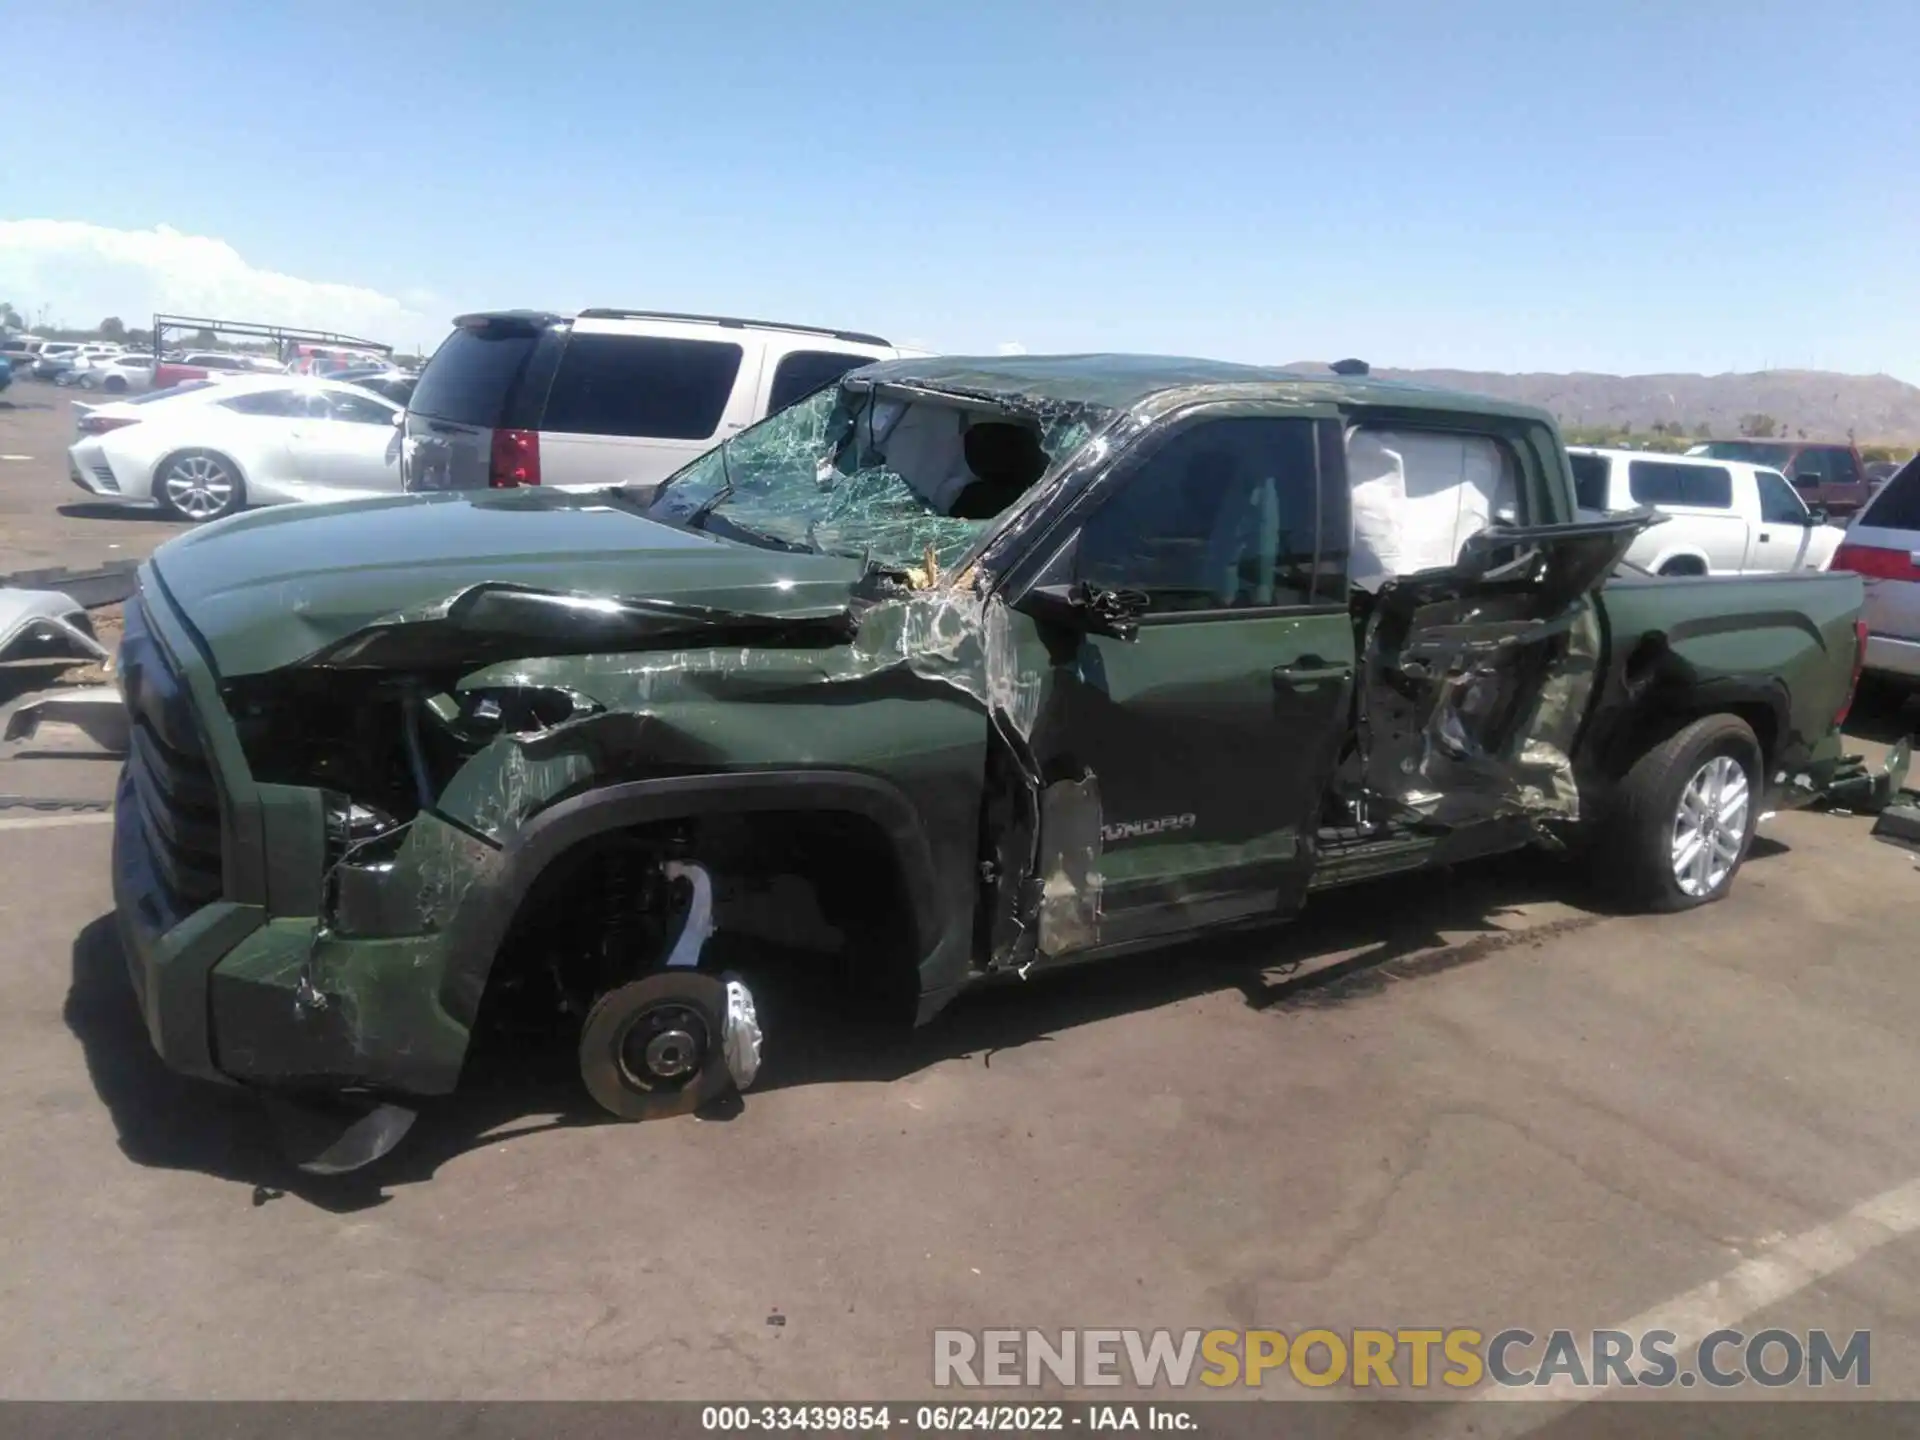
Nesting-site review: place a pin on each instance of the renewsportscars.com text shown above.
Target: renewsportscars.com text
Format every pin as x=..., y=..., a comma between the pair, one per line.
x=1418, y=1358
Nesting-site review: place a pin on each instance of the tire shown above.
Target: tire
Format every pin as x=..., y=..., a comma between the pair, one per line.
x=1682, y=567
x=200, y=495
x=1644, y=849
x=114, y=385
x=635, y=1035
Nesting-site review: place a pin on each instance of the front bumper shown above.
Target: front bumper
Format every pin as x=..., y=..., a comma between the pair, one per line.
x=217, y=882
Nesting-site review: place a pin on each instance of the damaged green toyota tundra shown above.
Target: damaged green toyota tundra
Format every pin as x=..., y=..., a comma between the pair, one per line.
x=957, y=668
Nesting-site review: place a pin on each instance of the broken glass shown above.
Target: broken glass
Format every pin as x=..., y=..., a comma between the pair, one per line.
x=864, y=473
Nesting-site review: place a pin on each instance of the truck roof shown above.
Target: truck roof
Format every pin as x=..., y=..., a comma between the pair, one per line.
x=1120, y=382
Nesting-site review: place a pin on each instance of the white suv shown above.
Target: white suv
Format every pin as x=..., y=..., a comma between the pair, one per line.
x=610, y=397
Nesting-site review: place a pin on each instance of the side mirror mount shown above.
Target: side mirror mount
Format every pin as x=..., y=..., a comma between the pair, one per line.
x=1086, y=607
x=1816, y=515
x=399, y=417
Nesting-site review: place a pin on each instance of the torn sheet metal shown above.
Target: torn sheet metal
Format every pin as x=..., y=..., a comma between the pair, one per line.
x=672, y=709
x=1070, y=878
x=45, y=625
x=98, y=711
x=1861, y=789
x=1475, y=679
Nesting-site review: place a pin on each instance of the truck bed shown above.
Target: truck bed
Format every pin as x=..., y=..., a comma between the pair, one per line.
x=1782, y=650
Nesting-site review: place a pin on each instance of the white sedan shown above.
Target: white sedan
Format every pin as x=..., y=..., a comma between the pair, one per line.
x=115, y=374
x=202, y=450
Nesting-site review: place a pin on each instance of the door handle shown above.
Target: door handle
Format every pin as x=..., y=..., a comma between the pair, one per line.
x=1308, y=671
x=1764, y=537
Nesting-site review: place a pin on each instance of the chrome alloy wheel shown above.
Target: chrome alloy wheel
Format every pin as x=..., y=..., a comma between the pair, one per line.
x=1710, y=826
x=198, y=486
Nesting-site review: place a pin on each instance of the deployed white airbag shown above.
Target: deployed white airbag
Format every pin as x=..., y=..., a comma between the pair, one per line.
x=1418, y=496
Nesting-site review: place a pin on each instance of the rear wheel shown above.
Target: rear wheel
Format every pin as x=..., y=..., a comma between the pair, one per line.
x=1684, y=816
x=198, y=485
x=114, y=385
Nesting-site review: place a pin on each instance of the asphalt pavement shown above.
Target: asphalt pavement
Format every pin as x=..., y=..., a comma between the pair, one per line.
x=46, y=521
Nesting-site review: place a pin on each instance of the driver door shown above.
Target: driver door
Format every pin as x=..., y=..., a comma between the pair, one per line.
x=1207, y=739
x=1785, y=529
x=345, y=445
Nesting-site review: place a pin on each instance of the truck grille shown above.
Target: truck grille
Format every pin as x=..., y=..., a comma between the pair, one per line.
x=175, y=799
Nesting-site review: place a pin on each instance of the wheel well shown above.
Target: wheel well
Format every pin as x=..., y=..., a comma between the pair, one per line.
x=1658, y=725
x=802, y=898
x=1683, y=565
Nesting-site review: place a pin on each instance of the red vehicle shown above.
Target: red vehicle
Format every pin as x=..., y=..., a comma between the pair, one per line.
x=1823, y=472
x=305, y=352
x=198, y=365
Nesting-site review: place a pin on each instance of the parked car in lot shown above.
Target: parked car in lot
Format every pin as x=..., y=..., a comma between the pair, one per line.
x=1882, y=546
x=84, y=358
x=1824, y=474
x=6, y=372
x=21, y=350
x=989, y=663
x=55, y=358
x=396, y=384
x=1724, y=517
x=212, y=364
x=123, y=374
x=203, y=450
x=610, y=397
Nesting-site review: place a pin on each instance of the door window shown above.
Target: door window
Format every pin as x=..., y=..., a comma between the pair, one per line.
x=1661, y=482
x=642, y=386
x=1778, y=504
x=361, y=410
x=1222, y=516
x=278, y=403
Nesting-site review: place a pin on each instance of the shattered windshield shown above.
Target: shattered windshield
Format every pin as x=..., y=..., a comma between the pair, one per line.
x=889, y=475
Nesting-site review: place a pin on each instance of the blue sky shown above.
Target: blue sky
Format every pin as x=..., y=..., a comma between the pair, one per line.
x=1617, y=186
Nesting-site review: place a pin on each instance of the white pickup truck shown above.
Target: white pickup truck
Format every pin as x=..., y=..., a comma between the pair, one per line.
x=1726, y=517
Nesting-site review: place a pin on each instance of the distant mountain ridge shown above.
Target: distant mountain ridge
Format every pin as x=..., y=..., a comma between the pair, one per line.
x=1877, y=409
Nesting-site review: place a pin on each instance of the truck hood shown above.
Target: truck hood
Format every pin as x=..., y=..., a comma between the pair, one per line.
x=459, y=579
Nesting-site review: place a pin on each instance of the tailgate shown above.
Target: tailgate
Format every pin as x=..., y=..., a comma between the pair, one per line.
x=444, y=454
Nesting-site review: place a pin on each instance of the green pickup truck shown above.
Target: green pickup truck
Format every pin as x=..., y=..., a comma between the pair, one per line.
x=958, y=668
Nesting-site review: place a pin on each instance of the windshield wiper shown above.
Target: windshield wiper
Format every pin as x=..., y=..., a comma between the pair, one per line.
x=697, y=519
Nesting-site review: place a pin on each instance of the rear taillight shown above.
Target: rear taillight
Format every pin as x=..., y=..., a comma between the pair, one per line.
x=1859, y=664
x=1876, y=562
x=101, y=424
x=516, y=459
